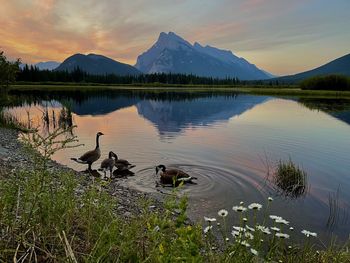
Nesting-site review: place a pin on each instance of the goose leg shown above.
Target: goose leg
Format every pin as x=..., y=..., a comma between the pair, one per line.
x=90, y=167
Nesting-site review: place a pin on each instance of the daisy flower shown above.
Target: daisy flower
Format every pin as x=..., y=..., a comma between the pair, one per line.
x=273, y=217
x=275, y=229
x=270, y=199
x=239, y=208
x=282, y=221
x=254, y=252
x=282, y=235
x=208, y=219
x=223, y=213
x=207, y=229
x=250, y=228
x=308, y=233
x=255, y=206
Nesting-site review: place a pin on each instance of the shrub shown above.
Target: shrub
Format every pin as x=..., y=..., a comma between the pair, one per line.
x=329, y=82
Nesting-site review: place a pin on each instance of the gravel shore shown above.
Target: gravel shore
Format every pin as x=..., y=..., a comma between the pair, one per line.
x=14, y=157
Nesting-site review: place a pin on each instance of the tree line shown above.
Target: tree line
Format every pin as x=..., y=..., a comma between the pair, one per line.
x=33, y=74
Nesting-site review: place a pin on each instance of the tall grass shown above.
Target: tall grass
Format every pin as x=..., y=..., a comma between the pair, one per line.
x=10, y=121
x=290, y=179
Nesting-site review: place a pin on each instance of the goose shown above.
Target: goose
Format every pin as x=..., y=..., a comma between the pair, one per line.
x=91, y=156
x=173, y=176
x=107, y=164
x=122, y=164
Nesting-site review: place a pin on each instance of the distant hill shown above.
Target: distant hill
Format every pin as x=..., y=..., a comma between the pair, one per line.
x=48, y=65
x=173, y=54
x=338, y=66
x=97, y=65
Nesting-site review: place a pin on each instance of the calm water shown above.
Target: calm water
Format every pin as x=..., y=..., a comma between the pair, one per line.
x=226, y=140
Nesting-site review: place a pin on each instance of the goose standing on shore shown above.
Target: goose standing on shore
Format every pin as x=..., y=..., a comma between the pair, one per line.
x=108, y=164
x=173, y=176
x=91, y=156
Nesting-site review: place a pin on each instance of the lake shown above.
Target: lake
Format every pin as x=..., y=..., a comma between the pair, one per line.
x=231, y=142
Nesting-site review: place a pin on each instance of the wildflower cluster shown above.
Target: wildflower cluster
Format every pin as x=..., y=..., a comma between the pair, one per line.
x=250, y=236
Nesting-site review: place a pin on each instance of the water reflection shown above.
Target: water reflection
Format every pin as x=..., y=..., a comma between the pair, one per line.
x=339, y=108
x=171, y=117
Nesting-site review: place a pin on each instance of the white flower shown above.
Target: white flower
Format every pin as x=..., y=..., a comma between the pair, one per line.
x=308, y=233
x=255, y=206
x=254, y=252
x=282, y=235
x=264, y=229
x=275, y=229
x=291, y=228
x=223, y=213
x=282, y=221
x=245, y=219
x=244, y=243
x=261, y=240
x=248, y=235
x=235, y=233
x=273, y=217
x=227, y=239
x=289, y=247
x=241, y=203
x=208, y=219
x=250, y=228
x=239, y=208
x=207, y=229
x=238, y=228
x=270, y=199
x=218, y=224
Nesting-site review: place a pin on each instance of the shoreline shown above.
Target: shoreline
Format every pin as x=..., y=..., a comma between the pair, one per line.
x=284, y=91
x=14, y=157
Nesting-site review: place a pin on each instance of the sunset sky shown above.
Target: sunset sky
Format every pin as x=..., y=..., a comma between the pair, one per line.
x=280, y=36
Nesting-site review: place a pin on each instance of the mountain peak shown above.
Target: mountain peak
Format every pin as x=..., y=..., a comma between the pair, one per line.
x=172, y=53
x=171, y=40
x=97, y=65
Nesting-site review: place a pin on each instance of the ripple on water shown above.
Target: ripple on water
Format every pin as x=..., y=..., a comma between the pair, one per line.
x=215, y=187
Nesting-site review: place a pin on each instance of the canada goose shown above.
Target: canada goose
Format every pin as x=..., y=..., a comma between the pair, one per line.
x=91, y=156
x=122, y=164
x=173, y=176
x=108, y=164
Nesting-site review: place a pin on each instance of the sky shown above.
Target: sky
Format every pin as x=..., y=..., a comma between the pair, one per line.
x=279, y=36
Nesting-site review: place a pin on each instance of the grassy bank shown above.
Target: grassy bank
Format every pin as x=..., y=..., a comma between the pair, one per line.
x=258, y=90
x=56, y=217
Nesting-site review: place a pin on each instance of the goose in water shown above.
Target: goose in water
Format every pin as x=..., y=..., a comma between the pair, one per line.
x=108, y=164
x=91, y=156
x=122, y=164
x=173, y=176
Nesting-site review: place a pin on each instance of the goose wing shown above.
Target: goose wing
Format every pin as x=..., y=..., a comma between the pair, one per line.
x=122, y=164
x=90, y=156
x=177, y=173
x=107, y=163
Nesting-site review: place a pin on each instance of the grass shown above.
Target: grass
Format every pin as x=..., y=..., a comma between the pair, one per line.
x=50, y=216
x=290, y=179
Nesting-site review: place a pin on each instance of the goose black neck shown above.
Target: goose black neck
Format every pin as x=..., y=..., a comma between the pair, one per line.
x=97, y=142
